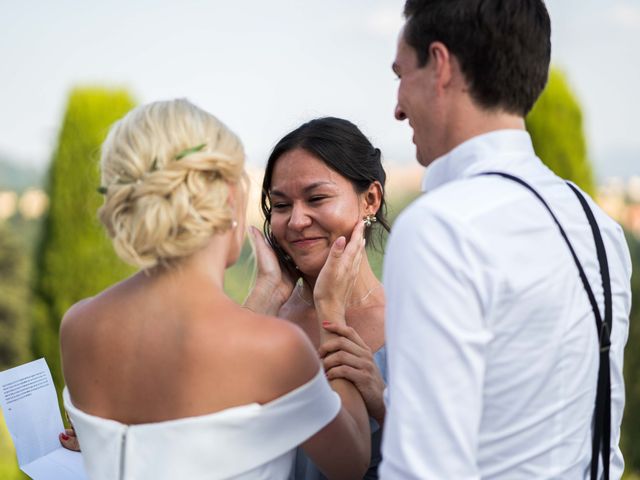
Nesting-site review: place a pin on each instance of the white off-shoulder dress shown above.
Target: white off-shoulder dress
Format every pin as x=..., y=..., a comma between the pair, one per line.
x=251, y=441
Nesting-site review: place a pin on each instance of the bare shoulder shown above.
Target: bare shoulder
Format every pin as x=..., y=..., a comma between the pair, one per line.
x=76, y=340
x=73, y=318
x=287, y=357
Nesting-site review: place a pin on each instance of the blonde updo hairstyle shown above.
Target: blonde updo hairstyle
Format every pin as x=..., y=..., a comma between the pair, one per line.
x=166, y=172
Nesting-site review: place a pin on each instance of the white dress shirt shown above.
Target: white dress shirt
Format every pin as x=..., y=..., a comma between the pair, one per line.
x=492, y=344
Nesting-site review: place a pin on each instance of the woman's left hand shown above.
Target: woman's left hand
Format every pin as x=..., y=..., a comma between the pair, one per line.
x=348, y=356
x=337, y=276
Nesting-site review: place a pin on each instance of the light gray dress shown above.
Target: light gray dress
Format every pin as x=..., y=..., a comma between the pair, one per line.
x=304, y=469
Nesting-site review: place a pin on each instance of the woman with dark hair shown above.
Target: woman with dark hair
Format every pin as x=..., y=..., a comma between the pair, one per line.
x=320, y=181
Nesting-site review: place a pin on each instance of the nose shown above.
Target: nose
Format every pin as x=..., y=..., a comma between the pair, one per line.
x=399, y=114
x=299, y=218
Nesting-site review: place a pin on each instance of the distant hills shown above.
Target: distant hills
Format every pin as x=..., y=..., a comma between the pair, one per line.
x=623, y=163
x=19, y=177
x=620, y=162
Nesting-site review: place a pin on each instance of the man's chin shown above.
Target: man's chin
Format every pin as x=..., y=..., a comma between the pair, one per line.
x=422, y=158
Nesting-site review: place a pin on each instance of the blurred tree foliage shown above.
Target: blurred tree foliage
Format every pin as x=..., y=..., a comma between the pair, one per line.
x=630, y=436
x=555, y=125
x=75, y=259
x=14, y=328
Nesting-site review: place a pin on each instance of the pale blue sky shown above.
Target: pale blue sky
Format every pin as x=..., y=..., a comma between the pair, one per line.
x=264, y=67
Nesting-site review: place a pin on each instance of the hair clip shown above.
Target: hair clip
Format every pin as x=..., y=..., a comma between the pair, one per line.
x=189, y=151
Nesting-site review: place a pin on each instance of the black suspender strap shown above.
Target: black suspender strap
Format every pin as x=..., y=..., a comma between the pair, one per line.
x=602, y=428
x=602, y=414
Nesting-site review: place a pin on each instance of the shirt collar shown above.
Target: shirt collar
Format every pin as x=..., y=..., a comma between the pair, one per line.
x=470, y=156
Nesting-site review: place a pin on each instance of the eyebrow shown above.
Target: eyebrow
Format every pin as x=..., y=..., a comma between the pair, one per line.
x=308, y=188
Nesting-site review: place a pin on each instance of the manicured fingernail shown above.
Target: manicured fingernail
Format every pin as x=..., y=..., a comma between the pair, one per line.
x=326, y=324
x=64, y=436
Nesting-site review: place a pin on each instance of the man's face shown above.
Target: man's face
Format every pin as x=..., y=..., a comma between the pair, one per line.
x=417, y=101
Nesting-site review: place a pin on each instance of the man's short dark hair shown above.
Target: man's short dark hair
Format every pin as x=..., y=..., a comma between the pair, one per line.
x=503, y=46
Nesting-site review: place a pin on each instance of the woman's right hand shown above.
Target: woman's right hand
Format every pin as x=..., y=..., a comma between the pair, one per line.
x=273, y=285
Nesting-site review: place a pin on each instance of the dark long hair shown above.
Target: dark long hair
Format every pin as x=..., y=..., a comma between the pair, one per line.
x=343, y=148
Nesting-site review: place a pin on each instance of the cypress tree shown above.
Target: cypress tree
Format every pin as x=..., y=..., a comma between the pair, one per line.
x=75, y=259
x=14, y=329
x=555, y=125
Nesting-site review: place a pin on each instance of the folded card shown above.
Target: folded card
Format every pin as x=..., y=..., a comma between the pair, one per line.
x=30, y=406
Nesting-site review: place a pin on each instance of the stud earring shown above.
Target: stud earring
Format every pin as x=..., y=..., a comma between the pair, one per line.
x=234, y=224
x=369, y=220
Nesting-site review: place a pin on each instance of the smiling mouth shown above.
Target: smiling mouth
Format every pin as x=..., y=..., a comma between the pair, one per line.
x=305, y=242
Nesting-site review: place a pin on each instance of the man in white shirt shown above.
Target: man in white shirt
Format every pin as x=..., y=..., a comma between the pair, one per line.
x=493, y=349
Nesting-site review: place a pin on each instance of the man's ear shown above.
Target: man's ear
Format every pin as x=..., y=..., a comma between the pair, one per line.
x=440, y=59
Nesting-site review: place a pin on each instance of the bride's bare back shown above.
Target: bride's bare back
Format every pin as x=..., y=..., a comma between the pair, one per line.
x=169, y=346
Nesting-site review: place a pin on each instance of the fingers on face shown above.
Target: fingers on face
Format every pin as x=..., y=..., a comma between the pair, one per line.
x=252, y=235
x=355, y=246
x=255, y=244
x=339, y=246
x=356, y=242
x=258, y=241
x=358, y=230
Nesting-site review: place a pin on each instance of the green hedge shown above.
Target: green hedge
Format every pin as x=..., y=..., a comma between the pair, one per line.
x=556, y=128
x=14, y=330
x=75, y=258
